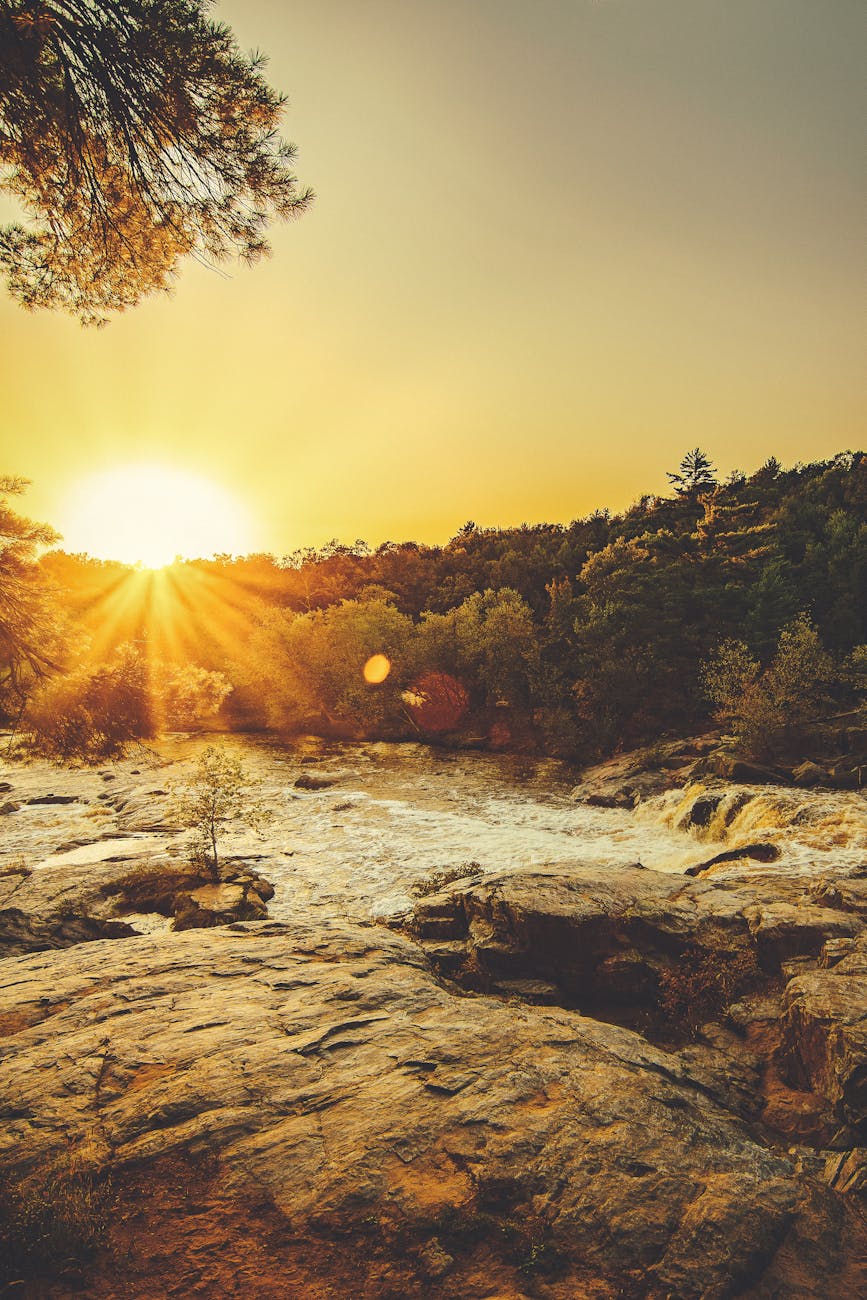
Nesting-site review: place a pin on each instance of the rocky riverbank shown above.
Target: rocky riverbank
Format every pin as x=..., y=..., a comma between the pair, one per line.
x=578, y=1079
x=381, y=1132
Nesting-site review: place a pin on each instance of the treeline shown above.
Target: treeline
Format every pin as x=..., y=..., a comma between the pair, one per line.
x=576, y=638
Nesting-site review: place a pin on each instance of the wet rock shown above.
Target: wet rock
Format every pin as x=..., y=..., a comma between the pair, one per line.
x=755, y=852
x=626, y=798
x=333, y=1079
x=810, y=774
x=313, y=781
x=700, y=813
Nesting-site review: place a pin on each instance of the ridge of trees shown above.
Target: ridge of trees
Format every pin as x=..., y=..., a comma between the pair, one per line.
x=579, y=638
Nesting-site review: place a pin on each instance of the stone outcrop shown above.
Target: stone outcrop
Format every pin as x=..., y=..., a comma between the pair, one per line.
x=375, y=1133
x=825, y=1033
x=566, y=1082
x=755, y=981
x=626, y=779
x=601, y=938
x=20, y=932
x=61, y=905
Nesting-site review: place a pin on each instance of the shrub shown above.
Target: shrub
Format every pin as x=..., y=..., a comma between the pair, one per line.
x=187, y=694
x=56, y=1216
x=701, y=986
x=768, y=710
x=443, y=876
x=91, y=713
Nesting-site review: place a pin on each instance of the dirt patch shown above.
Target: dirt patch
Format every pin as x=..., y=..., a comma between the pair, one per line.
x=178, y=1230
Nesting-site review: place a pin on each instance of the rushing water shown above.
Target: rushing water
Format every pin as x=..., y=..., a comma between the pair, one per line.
x=396, y=813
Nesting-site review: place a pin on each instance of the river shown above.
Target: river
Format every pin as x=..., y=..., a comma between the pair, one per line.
x=394, y=814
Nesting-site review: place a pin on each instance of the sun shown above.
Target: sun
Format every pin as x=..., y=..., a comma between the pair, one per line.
x=150, y=514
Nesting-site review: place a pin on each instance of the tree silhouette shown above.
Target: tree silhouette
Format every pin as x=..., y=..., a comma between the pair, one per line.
x=27, y=626
x=694, y=474
x=133, y=133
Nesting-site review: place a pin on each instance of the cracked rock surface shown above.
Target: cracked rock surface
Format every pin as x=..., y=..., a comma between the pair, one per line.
x=366, y=1118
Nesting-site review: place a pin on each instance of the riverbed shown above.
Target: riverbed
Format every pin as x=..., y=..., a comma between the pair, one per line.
x=390, y=815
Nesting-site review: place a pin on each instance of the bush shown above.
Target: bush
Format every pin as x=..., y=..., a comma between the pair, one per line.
x=92, y=713
x=769, y=710
x=701, y=986
x=184, y=695
x=54, y=1217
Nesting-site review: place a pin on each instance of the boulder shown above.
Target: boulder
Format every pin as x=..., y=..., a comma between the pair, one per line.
x=742, y=770
x=755, y=852
x=218, y=904
x=825, y=1032
x=313, y=781
x=626, y=798
x=700, y=812
x=314, y=1107
x=20, y=933
x=846, y=777
x=609, y=938
x=809, y=774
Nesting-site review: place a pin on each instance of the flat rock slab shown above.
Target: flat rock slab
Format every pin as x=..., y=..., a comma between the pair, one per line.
x=333, y=1077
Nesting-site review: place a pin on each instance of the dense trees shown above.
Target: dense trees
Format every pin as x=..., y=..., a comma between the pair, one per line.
x=93, y=708
x=133, y=133
x=580, y=637
x=28, y=620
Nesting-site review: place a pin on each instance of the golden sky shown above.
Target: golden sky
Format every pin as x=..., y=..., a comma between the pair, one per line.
x=555, y=245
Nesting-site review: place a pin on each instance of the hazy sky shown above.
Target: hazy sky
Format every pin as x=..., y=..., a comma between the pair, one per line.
x=555, y=245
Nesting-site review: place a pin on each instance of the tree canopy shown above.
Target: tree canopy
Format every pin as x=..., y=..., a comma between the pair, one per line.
x=133, y=133
x=749, y=599
x=26, y=616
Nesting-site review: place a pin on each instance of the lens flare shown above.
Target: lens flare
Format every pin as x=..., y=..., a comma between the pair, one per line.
x=437, y=702
x=376, y=669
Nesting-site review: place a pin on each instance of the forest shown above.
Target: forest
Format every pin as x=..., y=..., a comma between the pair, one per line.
x=741, y=602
